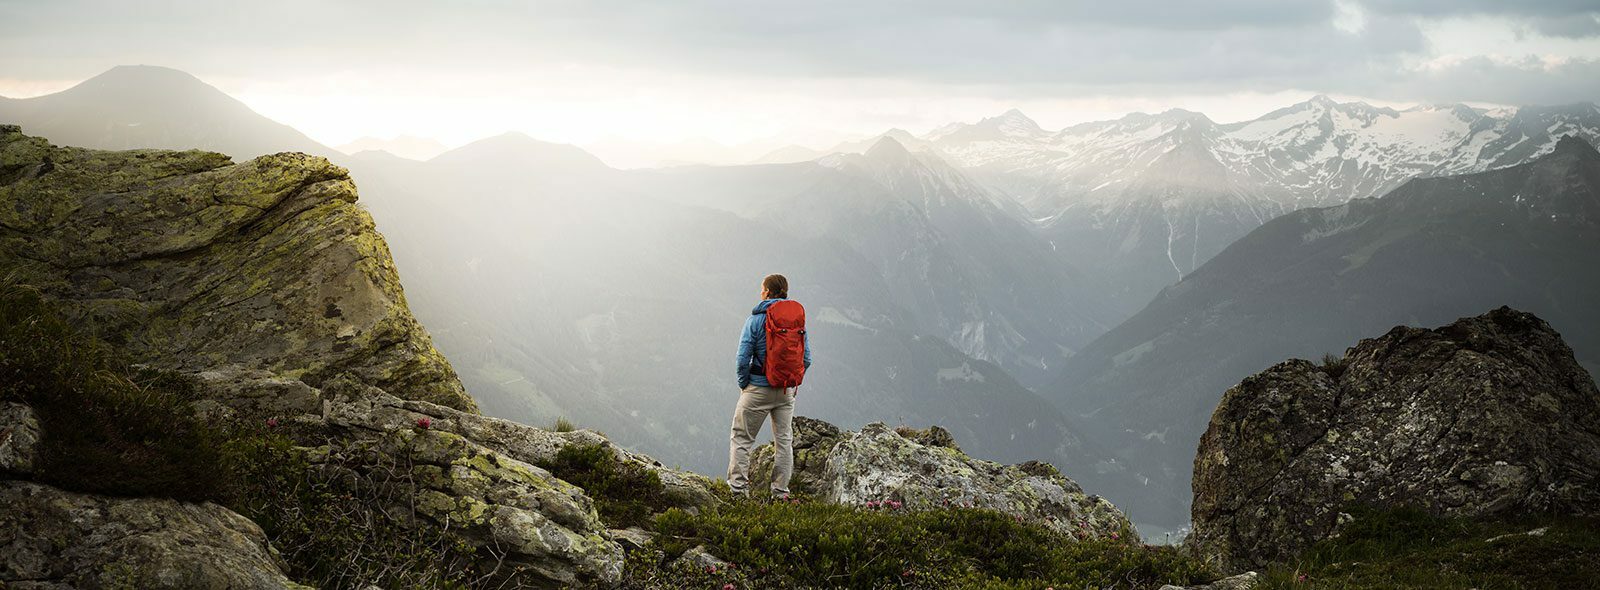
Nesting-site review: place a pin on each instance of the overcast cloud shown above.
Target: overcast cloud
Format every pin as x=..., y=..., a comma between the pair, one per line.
x=1018, y=52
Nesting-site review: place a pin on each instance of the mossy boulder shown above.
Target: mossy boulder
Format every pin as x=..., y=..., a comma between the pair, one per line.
x=879, y=464
x=191, y=262
x=51, y=538
x=1489, y=416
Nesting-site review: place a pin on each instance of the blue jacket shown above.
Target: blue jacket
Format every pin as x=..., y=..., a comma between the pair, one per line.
x=753, y=345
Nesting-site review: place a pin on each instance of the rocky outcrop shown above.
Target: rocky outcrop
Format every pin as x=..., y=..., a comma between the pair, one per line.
x=1489, y=415
x=193, y=263
x=881, y=464
x=361, y=411
x=51, y=539
x=266, y=286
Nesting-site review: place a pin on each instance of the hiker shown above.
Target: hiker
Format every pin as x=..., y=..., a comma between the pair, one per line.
x=774, y=353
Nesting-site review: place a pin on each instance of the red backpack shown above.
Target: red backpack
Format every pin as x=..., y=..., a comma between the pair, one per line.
x=786, y=343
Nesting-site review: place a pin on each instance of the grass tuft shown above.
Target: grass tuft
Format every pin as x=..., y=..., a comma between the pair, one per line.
x=1334, y=365
x=562, y=424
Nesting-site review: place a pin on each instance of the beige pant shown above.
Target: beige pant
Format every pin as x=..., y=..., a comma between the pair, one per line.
x=755, y=404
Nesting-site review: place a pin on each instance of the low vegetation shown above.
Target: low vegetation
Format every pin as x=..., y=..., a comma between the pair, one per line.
x=1408, y=548
x=804, y=544
x=562, y=424
x=330, y=525
x=1334, y=365
x=109, y=428
x=625, y=494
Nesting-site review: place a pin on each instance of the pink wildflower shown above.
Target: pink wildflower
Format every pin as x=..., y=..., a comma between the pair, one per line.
x=272, y=422
x=1300, y=578
x=1115, y=536
x=424, y=423
x=727, y=586
x=711, y=569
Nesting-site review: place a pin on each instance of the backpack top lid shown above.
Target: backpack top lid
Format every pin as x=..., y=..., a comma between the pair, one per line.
x=784, y=312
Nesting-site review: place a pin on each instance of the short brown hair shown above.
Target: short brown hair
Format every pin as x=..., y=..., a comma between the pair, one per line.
x=777, y=287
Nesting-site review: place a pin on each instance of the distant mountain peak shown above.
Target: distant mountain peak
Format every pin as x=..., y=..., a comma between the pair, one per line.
x=1013, y=122
x=888, y=148
x=143, y=106
x=515, y=148
x=1574, y=145
x=142, y=80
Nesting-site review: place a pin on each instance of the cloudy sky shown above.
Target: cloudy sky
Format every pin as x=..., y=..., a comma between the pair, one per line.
x=809, y=72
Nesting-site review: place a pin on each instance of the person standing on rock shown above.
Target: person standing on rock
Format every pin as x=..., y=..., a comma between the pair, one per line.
x=774, y=353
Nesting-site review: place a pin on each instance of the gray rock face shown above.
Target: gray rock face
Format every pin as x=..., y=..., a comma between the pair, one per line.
x=1488, y=415
x=19, y=438
x=50, y=538
x=880, y=464
x=190, y=262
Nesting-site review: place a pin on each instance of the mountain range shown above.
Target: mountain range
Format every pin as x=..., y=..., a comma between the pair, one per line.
x=1021, y=286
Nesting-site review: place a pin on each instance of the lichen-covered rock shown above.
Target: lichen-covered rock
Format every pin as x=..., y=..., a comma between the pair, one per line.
x=539, y=525
x=932, y=436
x=813, y=440
x=51, y=538
x=1489, y=415
x=234, y=391
x=1244, y=581
x=698, y=558
x=364, y=408
x=880, y=464
x=191, y=262
x=19, y=438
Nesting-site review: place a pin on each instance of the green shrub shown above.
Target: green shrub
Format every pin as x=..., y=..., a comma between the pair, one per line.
x=1409, y=548
x=106, y=428
x=625, y=494
x=563, y=425
x=783, y=545
x=1334, y=365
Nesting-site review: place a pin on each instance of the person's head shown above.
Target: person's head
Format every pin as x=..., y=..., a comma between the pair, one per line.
x=774, y=287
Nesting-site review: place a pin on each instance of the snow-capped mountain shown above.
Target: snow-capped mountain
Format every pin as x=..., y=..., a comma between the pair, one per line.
x=1141, y=201
x=1318, y=152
